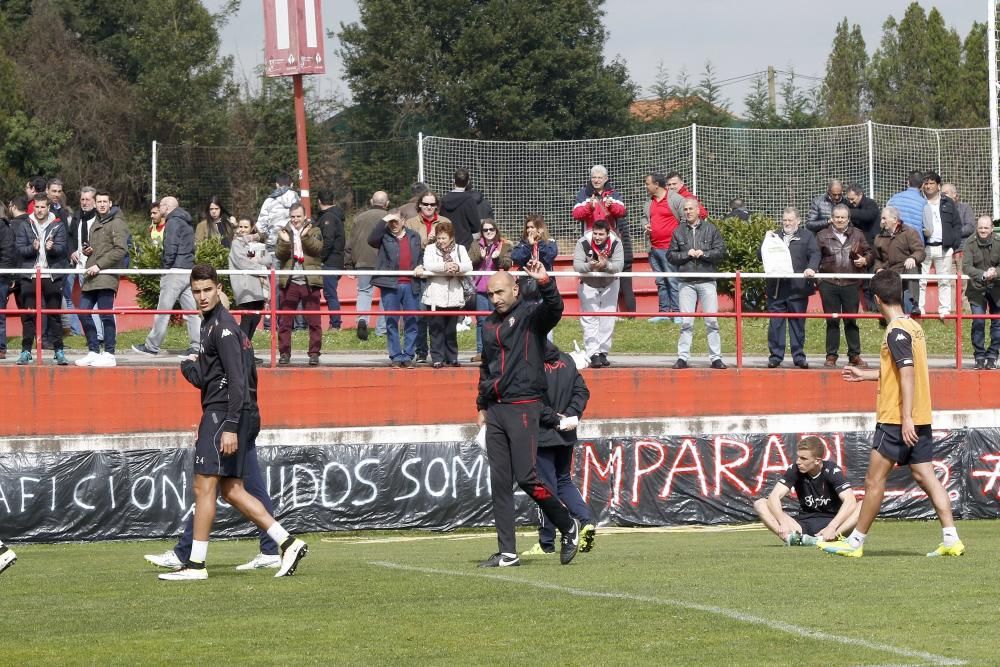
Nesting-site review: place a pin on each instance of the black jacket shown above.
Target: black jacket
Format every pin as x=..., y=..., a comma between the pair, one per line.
x=951, y=225
x=805, y=255
x=225, y=371
x=512, y=369
x=331, y=225
x=56, y=258
x=866, y=216
x=462, y=208
x=8, y=252
x=388, y=254
x=77, y=230
x=705, y=237
x=567, y=394
x=178, y=241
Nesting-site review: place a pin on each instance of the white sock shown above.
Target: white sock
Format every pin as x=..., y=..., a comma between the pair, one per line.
x=199, y=551
x=950, y=536
x=277, y=533
x=856, y=539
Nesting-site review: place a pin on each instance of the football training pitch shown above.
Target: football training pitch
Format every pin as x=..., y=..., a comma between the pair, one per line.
x=664, y=597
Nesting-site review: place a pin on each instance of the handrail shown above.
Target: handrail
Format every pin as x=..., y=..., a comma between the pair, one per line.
x=272, y=275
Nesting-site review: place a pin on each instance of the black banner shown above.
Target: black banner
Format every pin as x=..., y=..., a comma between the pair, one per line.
x=442, y=486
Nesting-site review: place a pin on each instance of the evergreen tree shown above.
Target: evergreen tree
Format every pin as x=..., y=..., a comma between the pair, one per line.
x=798, y=107
x=844, y=86
x=900, y=76
x=974, y=79
x=758, y=106
x=943, y=61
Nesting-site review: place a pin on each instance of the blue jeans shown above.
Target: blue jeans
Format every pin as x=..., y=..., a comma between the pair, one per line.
x=364, y=302
x=72, y=322
x=666, y=288
x=482, y=303
x=253, y=482
x=104, y=299
x=554, y=465
x=332, y=300
x=979, y=328
x=400, y=297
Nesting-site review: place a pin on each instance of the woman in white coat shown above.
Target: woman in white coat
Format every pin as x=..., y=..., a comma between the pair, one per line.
x=445, y=292
x=250, y=292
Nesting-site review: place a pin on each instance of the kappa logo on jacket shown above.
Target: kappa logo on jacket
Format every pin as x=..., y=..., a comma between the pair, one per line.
x=511, y=322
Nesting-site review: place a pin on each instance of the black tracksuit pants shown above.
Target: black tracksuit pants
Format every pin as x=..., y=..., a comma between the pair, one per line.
x=512, y=447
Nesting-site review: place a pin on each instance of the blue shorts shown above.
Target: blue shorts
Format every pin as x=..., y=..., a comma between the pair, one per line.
x=889, y=443
x=208, y=458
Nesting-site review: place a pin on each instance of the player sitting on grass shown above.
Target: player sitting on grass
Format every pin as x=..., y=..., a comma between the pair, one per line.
x=227, y=377
x=903, y=433
x=825, y=498
x=7, y=557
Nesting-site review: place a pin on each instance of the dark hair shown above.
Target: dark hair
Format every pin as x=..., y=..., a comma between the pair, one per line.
x=658, y=178
x=462, y=177
x=325, y=196
x=283, y=179
x=418, y=189
x=102, y=193
x=888, y=287
x=538, y=220
x=20, y=202
x=601, y=224
x=674, y=174
x=217, y=200
x=856, y=189
x=204, y=272
x=916, y=178
x=931, y=176
x=736, y=202
x=39, y=183
x=428, y=191
x=41, y=196
x=155, y=205
x=813, y=444
x=53, y=181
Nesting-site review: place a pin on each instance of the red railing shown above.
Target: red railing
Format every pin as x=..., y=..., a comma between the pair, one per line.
x=739, y=314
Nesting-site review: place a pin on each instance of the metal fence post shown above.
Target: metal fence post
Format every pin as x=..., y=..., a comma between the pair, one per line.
x=738, y=297
x=274, y=318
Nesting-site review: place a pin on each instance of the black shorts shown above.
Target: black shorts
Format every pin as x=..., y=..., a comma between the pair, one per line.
x=208, y=458
x=889, y=443
x=814, y=522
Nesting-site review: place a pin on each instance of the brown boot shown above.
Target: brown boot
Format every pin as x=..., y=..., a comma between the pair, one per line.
x=831, y=361
x=858, y=362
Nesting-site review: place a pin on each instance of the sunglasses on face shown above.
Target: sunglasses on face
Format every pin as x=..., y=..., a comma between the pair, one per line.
x=487, y=230
x=429, y=203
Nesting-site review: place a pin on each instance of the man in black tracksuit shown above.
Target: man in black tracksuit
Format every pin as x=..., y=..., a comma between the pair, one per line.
x=512, y=388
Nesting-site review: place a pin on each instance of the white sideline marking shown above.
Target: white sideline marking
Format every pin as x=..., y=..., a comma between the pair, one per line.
x=603, y=531
x=780, y=626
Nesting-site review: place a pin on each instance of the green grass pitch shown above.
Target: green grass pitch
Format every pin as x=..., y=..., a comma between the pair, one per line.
x=651, y=597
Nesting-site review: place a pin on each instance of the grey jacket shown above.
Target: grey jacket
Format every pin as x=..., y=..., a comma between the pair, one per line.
x=674, y=200
x=178, y=241
x=358, y=254
x=820, y=212
x=980, y=256
x=249, y=288
x=584, y=252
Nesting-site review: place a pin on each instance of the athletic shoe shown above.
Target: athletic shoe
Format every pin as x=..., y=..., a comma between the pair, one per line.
x=810, y=540
x=604, y=360
x=185, y=574
x=793, y=539
x=314, y=360
x=261, y=562
x=680, y=364
x=284, y=359
x=59, y=358
x=719, y=365
x=595, y=361
x=501, y=560
x=588, y=533
x=105, y=360
x=143, y=350
x=290, y=557
x=88, y=359
x=421, y=358
x=538, y=550
x=570, y=544
x=24, y=359
x=991, y=364
x=362, y=330
x=842, y=548
x=957, y=549
x=7, y=558
x=168, y=559
x=659, y=320
x=980, y=364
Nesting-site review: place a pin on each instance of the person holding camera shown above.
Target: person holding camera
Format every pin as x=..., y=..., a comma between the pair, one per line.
x=490, y=253
x=399, y=249
x=105, y=248
x=444, y=292
x=250, y=292
x=598, y=252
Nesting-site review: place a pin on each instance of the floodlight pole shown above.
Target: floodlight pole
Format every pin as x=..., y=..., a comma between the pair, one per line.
x=301, y=145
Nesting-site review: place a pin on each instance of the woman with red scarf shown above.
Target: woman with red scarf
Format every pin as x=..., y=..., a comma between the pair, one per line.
x=423, y=223
x=490, y=253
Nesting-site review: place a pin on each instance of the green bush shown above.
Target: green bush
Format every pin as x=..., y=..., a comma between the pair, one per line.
x=148, y=255
x=743, y=241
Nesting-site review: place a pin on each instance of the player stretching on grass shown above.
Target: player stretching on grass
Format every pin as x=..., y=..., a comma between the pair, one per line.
x=511, y=390
x=825, y=498
x=7, y=557
x=903, y=430
x=227, y=377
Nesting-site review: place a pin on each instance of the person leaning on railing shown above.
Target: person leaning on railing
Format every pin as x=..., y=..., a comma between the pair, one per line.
x=299, y=248
x=982, y=263
x=490, y=253
x=399, y=249
x=446, y=255
x=8, y=260
x=250, y=292
x=900, y=248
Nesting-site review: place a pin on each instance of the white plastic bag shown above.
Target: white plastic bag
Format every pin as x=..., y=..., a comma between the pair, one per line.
x=775, y=255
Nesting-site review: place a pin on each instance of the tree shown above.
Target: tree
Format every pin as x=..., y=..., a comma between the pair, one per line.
x=974, y=79
x=798, y=107
x=758, y=107
x=845, y=85
x=899, y=76
x=491, y=69
x=943, y=60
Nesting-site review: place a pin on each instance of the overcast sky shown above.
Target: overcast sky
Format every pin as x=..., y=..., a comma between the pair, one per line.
x=738, y=36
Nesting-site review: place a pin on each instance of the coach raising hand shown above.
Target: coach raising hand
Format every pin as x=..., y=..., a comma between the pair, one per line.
x=511, y=389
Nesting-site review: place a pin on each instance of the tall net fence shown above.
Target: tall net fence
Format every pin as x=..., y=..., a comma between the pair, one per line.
x=769, y=169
